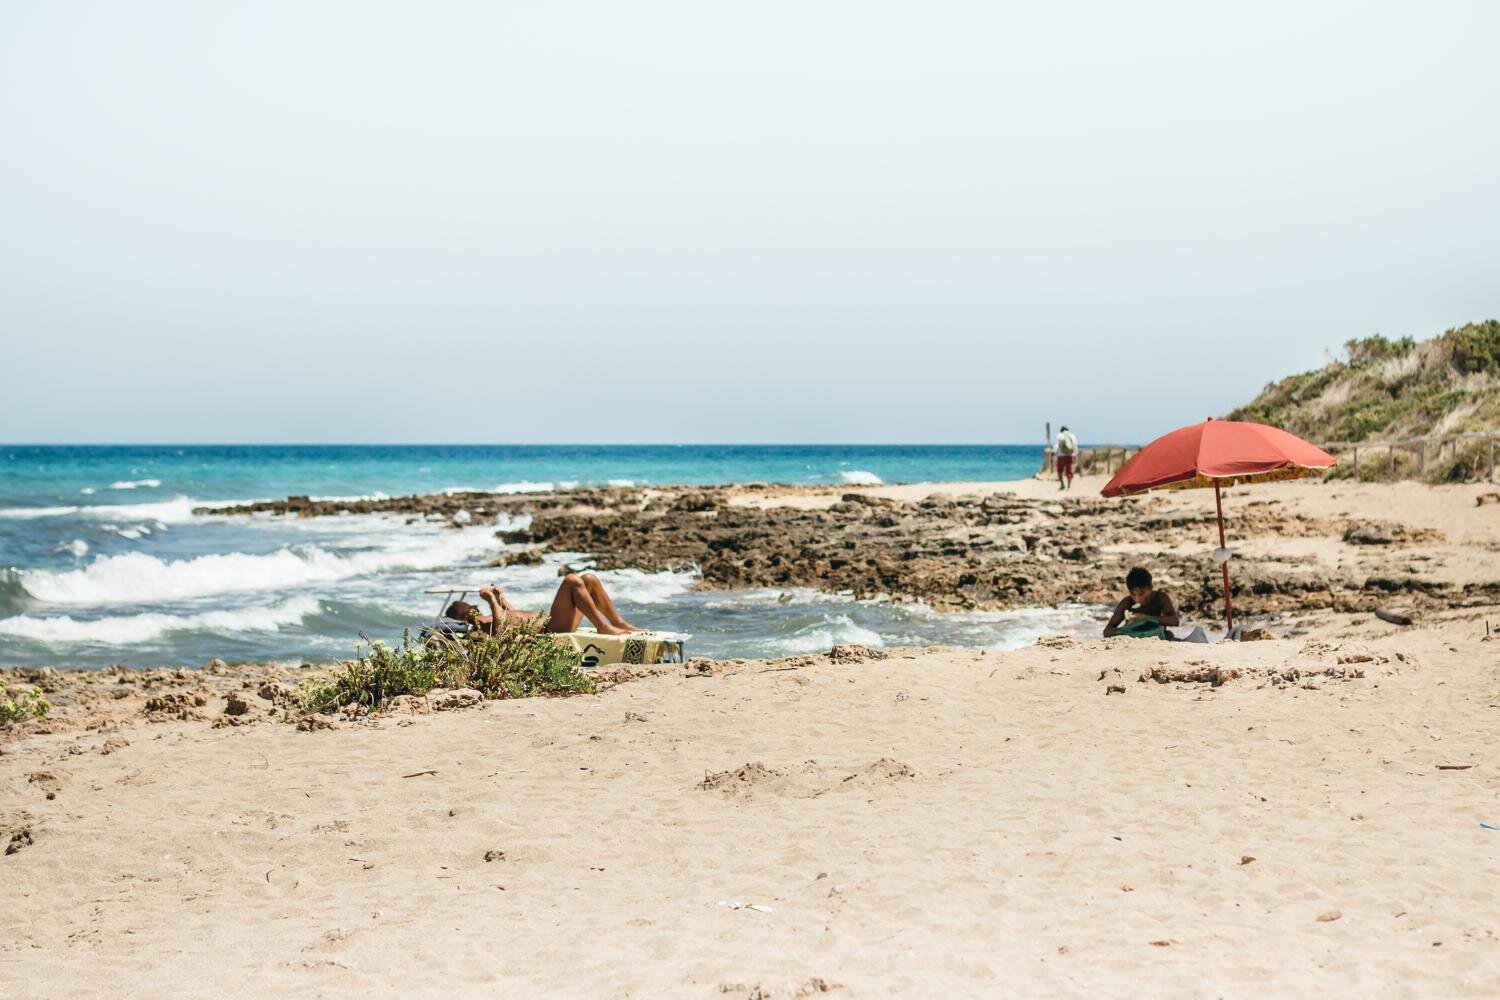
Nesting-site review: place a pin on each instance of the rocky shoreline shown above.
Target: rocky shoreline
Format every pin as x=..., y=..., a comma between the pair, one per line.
x=991, y=551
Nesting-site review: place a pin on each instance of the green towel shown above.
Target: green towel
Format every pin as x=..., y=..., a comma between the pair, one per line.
x=1142, y=628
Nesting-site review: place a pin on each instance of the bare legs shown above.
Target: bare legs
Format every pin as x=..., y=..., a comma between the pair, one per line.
x=581, y=597
x=596, y=591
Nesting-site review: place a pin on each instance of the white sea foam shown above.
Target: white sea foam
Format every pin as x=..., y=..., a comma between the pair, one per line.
x=377, y=495
x=769, y=597
x=635, y=586
x=122, y=629
x=621, y=482
x=78, y=547
x=131, y=484
x=175, y=511
x=87, y=491
x=131, y=531
x=859, y=477
x=823, y=636
x=524, y=486
x=139, y=578
x=1017, y=627
x=26, y=513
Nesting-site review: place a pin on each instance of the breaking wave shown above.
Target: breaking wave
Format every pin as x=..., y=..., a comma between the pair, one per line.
x=859, y=477
x=140, y=578
x=175, y=511
x=823, y=635
x=145, y=627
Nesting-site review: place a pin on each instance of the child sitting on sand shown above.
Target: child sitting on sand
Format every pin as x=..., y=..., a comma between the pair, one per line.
x=1143, y=613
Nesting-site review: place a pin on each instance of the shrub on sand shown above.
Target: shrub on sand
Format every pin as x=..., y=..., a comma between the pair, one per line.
x=519, y=662
x=29, y=704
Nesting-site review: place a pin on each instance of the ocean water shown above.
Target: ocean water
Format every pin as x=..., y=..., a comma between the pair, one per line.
x=102, y=560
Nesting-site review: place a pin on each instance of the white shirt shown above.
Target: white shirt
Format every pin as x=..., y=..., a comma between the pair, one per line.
x=1067, y=443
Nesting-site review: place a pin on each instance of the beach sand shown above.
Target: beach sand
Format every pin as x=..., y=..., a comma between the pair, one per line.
x=931, y=823
x=1096, y=818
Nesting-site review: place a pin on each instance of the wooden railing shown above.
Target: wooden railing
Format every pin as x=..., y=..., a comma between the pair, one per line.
x=1105, y=458
x=1412, y=456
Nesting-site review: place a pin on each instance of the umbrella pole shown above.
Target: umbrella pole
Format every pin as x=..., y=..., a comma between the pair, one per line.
x=1228, y=608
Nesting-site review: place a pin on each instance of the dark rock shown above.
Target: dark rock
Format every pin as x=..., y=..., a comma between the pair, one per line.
x=454, y=698
x=19, y=840
x=525, y=557
x=852, y=653
x=1369, y=534
x=176, y=705
x=867, y=500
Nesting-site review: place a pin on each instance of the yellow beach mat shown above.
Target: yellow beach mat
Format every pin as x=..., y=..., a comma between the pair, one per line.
x=640, y=647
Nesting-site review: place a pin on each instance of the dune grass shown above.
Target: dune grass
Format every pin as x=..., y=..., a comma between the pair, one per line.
x=519, y=662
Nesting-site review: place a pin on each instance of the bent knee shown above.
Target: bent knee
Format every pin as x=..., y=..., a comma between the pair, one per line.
x=572, y=580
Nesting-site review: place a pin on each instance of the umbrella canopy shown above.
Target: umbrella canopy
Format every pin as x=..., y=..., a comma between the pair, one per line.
x=1218, y=452
x=1215, y=453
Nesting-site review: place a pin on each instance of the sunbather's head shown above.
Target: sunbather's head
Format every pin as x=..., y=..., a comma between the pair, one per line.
x=1138, y=582
x=460, y=611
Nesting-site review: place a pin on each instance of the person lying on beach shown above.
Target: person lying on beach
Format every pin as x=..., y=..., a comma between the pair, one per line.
x=579, y=596
x=1144, y=611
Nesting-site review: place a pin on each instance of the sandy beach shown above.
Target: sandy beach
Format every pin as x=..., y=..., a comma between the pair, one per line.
x=1076, y=818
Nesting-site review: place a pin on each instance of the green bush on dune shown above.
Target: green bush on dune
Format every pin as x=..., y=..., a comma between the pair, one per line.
x=519, y=662
x=1476, y=347
x=28, y=704
x=1387, y=389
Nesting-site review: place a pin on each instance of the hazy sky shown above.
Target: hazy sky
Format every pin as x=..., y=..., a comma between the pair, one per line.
x=810, y=221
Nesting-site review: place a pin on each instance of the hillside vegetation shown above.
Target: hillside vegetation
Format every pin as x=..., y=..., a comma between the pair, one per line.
x=1394, y=390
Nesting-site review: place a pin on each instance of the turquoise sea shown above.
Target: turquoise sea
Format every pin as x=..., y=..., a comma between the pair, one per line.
x=102, y=560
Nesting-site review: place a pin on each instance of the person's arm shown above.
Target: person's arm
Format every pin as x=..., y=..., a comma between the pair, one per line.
x=1169, y=615
x=1116, y=618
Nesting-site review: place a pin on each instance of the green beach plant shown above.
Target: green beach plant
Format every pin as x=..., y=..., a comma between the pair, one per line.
x=28, y=704
x=520, y=662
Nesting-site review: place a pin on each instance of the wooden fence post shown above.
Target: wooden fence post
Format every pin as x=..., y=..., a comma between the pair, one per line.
x=1390, y=460
x=1492, y=459
x=1421, y=458
x=1356, y=462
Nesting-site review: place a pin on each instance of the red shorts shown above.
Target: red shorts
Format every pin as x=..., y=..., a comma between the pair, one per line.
x=1065, y=464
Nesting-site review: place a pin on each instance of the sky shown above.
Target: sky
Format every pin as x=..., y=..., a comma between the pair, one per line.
x=611, y=222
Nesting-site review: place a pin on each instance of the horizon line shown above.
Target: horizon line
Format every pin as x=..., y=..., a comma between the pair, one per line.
x=535, y=444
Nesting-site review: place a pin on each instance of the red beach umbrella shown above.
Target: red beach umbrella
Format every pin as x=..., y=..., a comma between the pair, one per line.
x=1218, y=453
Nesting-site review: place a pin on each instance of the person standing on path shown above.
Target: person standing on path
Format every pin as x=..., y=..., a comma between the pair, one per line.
x=1067, y=455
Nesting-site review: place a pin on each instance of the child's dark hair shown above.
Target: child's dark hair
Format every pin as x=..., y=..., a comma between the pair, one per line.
x=460, y=611
x=1138, y=577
